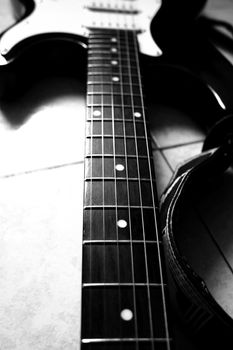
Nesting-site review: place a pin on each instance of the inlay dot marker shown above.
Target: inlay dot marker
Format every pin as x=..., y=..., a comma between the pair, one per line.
x=115, y=79
x=114, y=63
x=120, y=167
x=122, y=223
x=137, y=114
x=126, y=315
x=113, y=40
x=113, y=49
x=96, y=113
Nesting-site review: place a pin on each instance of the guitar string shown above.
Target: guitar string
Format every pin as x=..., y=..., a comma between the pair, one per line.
x=117, y=214
x=115, y=182
x=103, y=195
x=138, y=173
x=154, y=208
x=128, y=194
x=90, y=194
x=140, y=190
x=123, y=125
x=108, y=39
x=91, y=211
x=121, y=42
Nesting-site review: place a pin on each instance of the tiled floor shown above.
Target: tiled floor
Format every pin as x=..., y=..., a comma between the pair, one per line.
x=175, y=138
x=40, y=251
x=41, y=175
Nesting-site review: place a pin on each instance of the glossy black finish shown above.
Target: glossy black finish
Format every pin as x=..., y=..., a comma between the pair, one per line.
x=173, y=17
x=62, y=56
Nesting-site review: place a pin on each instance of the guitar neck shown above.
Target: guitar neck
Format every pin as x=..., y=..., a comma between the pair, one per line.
x=124, y=299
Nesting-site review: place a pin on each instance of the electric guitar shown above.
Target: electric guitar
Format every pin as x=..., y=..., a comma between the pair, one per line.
x=123, y=290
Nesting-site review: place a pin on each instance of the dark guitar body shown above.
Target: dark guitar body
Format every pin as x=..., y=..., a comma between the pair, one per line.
x=55, y=66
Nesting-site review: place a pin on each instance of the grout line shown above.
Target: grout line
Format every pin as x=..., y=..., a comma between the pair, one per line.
x=178, y=145
x=28, y=172
x=167, y=162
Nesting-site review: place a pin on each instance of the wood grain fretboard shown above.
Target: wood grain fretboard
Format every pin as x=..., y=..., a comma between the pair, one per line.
x=124, y=304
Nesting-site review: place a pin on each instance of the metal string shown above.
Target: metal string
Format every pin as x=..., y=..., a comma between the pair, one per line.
x=116, y=199
x=138, y=175
x=129, y=213
x=90, y=209
x=103, y=196
x=155, y=216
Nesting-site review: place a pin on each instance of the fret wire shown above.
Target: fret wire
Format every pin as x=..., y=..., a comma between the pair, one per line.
x=118, y=155
x=103, y=52
x=122, y=241
x=107, y=93
x=128, y=200
x=122, y=179
x=109, y=136
x=104, y=65
x=102, y=38
x=107, y=45
x=107, y=57
x=120, y=206
x=116, y=105
x=96, y=119
x=97, y=83
x=153, y=200
x=110, y=155
x=91, y=285
x=130, y=340
x=107, y=54
x=107, y=73
x=97, y=93
x=117, y=120
x=100, y=58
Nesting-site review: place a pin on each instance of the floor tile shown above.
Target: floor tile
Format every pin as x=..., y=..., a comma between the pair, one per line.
x=40, y=252
x=44, y=128
x=163, y=172
x=171, y=127
x=177, y=155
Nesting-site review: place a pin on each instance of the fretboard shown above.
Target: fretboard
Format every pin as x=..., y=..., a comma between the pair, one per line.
x=124, y=303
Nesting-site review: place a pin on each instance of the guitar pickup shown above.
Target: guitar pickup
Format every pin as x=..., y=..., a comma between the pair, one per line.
x=113, y=7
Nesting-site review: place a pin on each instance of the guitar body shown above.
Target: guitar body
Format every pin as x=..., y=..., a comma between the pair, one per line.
x=44, y=61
